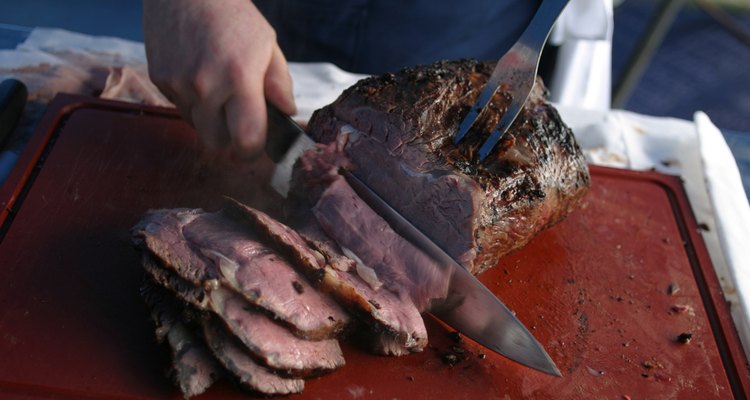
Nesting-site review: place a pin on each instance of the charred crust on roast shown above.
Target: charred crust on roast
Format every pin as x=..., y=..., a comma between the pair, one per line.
x=374, y=303
x=318, y=275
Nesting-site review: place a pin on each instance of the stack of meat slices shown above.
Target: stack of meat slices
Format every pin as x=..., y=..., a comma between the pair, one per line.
x=237, y=291
x=243, y=303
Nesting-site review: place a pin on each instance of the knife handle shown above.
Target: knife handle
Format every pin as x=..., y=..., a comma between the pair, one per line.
x=282, y=132
x=13, y=94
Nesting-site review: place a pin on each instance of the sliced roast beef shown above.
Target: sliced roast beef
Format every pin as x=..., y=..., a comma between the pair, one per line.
x=285, y=238
x=390, y=315
x=208, y=246
x=160, y=232
x=233, y=356
x=393, y=316
x=274, y=345
x=265, y=340
x=194, y=369
x=264, y=277
x=383, y=257
x=397, y=134
x=323, y=244
x=382, y=343
x=178, y=286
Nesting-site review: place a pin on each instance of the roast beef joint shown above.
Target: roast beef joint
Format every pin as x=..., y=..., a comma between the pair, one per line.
x=265, y=301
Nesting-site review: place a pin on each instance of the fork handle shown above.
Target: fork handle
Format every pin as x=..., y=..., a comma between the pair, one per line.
x=538, y=30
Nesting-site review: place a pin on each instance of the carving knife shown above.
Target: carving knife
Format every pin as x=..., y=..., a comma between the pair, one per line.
x=470, y=307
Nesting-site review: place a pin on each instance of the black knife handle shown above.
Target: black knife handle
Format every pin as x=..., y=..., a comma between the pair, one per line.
x=13, y=94
x=282, y=132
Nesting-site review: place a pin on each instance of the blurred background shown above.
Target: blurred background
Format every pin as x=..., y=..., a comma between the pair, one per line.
x=702, y=62
x=670, y=58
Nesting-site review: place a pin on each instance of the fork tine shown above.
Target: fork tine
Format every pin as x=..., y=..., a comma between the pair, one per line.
x=495, y=136
x=484, y=98
x=520, y=95
x=466, y=124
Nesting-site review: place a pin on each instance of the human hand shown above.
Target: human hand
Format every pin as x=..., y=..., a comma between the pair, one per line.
x=219, y=62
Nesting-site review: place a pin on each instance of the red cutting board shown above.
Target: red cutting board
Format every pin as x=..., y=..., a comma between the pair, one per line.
x=595, y=289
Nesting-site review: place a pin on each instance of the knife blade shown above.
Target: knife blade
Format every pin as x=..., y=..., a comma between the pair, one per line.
x=285, y=142
x=470, y=307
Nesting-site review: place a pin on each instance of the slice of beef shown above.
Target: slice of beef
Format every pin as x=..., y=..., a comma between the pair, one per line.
x=267, y=341
x=383, y=257
x=332, y=253
x=394, y=317
x=380, y=343
x=211, y=246
x=285, y=238
x=388, y=314
x=233, y=356
x=178, y=286
x=396, y=131
x=264, y=277
x=194, y=369
x=273, y=344
x=160, y=233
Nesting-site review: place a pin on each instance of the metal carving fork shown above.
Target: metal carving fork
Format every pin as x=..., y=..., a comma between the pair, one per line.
x=517, y=68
